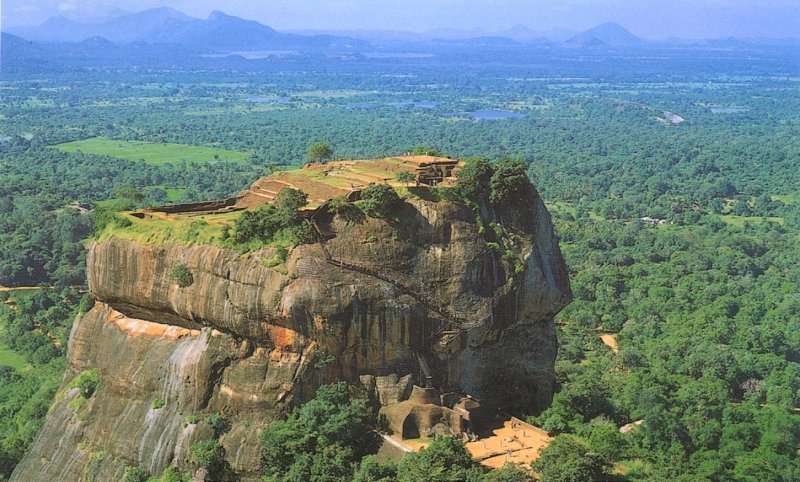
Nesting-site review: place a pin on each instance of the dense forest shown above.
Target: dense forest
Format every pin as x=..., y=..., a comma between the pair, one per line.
x=680, y=236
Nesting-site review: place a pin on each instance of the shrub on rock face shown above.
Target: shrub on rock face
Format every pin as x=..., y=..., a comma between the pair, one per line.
x=379, y=200
x=87, y=382
x=181, y=275
x=135, y=474
x=217, y=423
x=172, y=474
x=208, y=454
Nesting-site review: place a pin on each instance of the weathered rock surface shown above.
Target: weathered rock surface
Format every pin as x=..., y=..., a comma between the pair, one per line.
x=427, y=299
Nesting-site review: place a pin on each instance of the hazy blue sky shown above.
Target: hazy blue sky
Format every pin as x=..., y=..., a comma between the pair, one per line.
x=647, y=18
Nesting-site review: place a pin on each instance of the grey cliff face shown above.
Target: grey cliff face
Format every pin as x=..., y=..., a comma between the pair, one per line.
x=428, y=299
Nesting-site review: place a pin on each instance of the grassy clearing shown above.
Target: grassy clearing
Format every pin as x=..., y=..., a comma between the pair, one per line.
x=784, y=198
x=151, y=152
x=561, y=207
x=567, y=208
x=158, y=229
x=37, y=102
x=174, y=194
x=12, y=359
x=9, y=357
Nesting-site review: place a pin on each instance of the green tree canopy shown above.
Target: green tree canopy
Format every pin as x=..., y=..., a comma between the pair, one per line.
x=267, y=222
x=474, y=179
x=508, y=182
x=405, y=177
x=423, y=150
x=324, y=439
x=379, y=200
x=444, y=460
x=319, y=152
x=566, y=459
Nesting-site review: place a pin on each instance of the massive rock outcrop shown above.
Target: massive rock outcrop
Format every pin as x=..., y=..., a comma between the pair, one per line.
x=435, y=298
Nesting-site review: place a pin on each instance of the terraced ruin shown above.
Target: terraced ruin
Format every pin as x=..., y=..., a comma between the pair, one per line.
x=325, y=181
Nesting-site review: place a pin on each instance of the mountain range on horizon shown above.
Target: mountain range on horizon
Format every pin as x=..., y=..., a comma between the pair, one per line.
x=164, y=25
x=221, y=32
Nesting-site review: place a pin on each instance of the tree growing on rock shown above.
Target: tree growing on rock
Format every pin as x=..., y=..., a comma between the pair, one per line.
x=268, y=222
x=474, y=179
x=405, y=177
x=181, y=275
x=319, y=152
x=508, y=182
x=423, y=150
x=290, y=201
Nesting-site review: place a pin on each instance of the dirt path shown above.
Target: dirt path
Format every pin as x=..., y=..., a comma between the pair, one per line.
x=36, y=288
x=22, y=288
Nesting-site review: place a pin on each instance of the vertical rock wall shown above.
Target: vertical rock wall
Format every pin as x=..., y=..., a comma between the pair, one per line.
x=428, y=298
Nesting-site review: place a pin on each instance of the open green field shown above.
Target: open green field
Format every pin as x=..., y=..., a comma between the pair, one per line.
x=152, y=152
x=11, y=358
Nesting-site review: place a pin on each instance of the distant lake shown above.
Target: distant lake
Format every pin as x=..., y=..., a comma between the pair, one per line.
x=495, y=114
x=727, y=110
x=422, y=104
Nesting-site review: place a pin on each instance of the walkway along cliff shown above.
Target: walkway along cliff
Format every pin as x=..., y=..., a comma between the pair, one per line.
x=430, y=299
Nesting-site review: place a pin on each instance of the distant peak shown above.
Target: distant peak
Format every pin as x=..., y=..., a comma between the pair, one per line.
x=97, y=41
x=217, y=15
x=610, y=27
x=610, y=33
x=162, y=12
